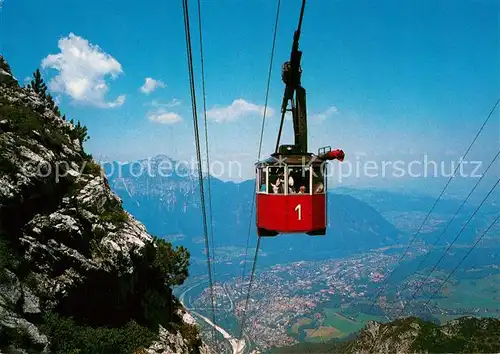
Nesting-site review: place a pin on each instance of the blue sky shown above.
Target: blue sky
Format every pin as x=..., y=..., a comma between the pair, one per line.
x=384, y=79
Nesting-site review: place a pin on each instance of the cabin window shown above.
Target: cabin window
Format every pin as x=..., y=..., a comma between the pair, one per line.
x=318, y=180
x=276, y=180
x=261, y=180
x=299, y=179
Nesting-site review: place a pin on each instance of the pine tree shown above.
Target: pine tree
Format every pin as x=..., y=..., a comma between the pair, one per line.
x=82, y=132
x=38, y=85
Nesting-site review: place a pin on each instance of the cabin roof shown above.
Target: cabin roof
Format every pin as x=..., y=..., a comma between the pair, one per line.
x=282, y=159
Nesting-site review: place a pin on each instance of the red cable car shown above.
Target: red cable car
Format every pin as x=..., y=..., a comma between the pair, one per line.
x=291, y=184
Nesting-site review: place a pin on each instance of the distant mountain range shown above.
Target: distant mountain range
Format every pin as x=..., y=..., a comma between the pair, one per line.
x=168, y=203
x=407, y=211
x=169, y=206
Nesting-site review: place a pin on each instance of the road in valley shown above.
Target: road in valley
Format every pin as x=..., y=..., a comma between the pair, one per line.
x=238, y=347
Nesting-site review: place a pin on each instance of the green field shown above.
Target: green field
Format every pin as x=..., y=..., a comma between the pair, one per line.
x=300, y=323
x=339, y=321
x=446, y=318
x=472, y=293
x=337, y=324
x=322, y=334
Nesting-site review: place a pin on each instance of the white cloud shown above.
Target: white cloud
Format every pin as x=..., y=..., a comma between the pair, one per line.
x=150, y=85
x=330, y=111
x=238, y=109
x=27, y=80
x=173, y=103
x=83, y=68
x=163, y=117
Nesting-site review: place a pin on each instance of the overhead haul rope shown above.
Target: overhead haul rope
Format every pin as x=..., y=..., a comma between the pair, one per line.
x=450, y=245
x=198, y=154
x=261, y=134
x=383, y=287
x=454, y=269
x=209, y=183
x=459, y=263
x=243, y=318
x=468, y=149
x=446, y=227
x=244, y=315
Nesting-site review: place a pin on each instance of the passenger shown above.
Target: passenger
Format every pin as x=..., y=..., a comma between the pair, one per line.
x=302, y=190
x=281, y=178
x=278, y=186
x=319, y=188
x=290, y=185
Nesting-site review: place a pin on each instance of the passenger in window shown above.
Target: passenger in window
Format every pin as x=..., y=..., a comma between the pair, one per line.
x=291, y=190
x=302, y=190
x=281, y=176
x=319, y=188
x=279, y=185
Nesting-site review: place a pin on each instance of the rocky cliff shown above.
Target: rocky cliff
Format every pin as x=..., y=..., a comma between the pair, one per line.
x=78, y=274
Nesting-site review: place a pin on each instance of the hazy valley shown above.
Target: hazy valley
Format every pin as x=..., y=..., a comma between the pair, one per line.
x=315, y=289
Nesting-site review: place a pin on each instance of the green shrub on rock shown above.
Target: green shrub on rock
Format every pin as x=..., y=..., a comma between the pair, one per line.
x=67, y=337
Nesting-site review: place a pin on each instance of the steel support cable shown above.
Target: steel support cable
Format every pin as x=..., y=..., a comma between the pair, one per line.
x=461, y=261
x=198, y=153
x=450, y=221
x=261, y=135
x=491, y=190
x=383, y=287
x=210, y=209
x=244, y=316
x=450, y=245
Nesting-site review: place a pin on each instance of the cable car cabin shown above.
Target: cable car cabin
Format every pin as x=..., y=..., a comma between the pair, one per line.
x=291, y=195
x=291, y=184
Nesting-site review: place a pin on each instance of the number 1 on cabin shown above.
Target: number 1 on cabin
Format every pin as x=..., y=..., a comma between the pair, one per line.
x=299, y=211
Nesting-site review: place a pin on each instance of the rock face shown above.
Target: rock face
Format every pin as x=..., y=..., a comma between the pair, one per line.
x=67, y=247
